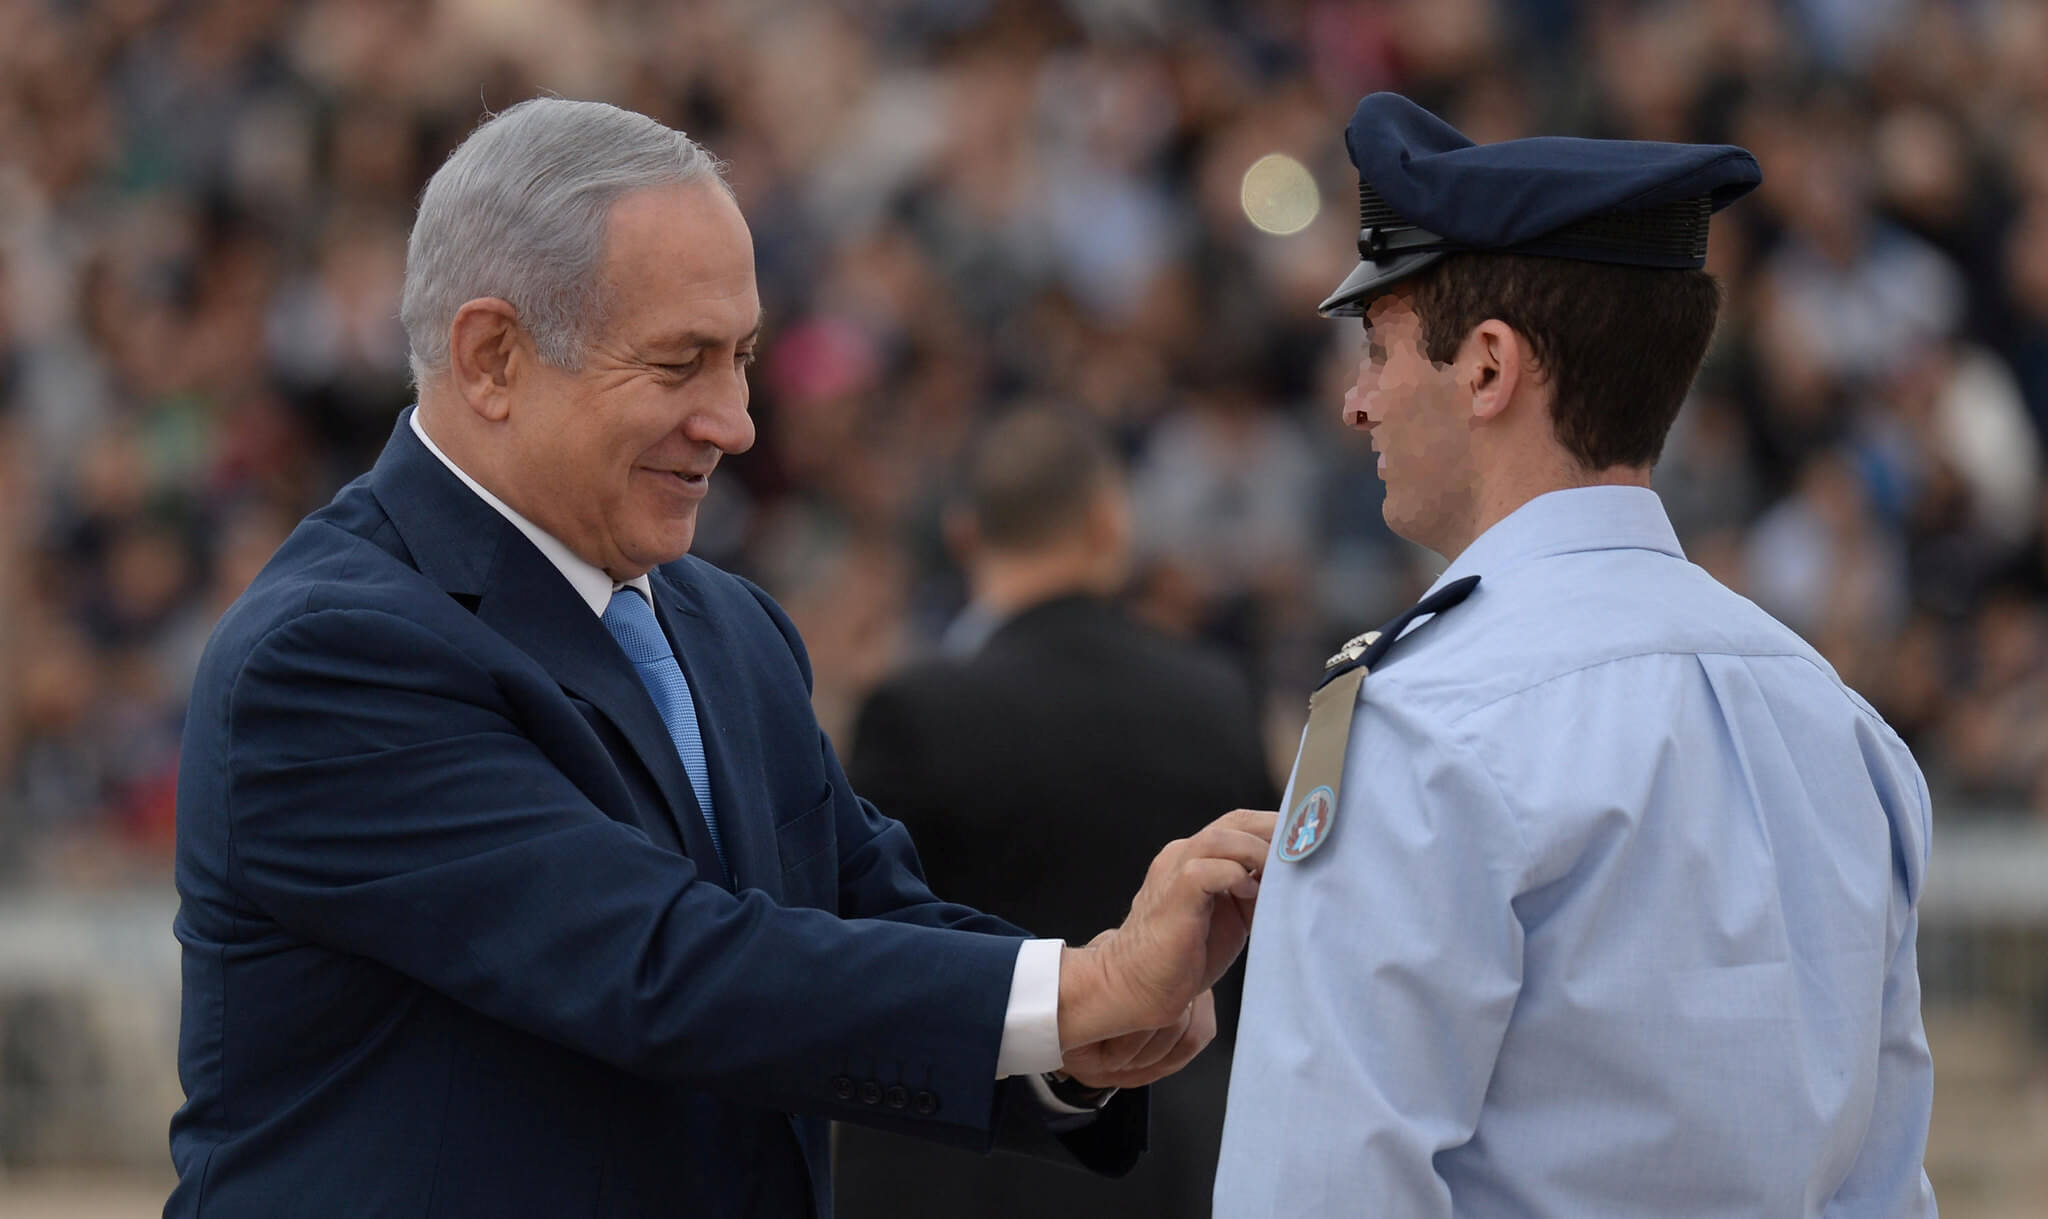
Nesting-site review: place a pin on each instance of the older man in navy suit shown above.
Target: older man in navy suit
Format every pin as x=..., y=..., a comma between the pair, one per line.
x=516, y=875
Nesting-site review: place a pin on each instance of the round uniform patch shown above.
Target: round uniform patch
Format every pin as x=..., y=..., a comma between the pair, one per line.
x=1308, y=826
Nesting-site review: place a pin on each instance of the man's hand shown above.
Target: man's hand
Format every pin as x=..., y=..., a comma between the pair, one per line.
x=1148, y=1055
x=1187, y=924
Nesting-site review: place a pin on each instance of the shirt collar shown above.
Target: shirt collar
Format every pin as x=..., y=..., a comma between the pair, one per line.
x=589, y=580
x=1606, y=517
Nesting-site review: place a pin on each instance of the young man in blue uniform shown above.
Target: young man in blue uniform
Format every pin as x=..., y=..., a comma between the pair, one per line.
x=1597, y=897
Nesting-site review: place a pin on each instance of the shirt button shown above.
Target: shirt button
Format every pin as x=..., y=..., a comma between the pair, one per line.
x=897, y=1096
x=870, y=1092
x=927, y=1104
x=842, y=1087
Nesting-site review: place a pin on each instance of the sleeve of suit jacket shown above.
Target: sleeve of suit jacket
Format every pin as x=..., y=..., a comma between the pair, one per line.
x=880, y=878
x=382, y=799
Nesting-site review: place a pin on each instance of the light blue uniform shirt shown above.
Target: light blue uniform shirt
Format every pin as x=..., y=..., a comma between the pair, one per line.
x=1616, y=916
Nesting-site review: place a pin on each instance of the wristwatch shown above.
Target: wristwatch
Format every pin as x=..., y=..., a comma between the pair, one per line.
x=1070, y=1091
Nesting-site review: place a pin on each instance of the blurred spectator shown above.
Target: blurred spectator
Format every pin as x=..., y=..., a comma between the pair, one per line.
x=1822, y=562
x=2026, y=272
x=1997, y=731
x=1040, y=764
x=202, y=207
x=1224, y=499
x=1861, y=291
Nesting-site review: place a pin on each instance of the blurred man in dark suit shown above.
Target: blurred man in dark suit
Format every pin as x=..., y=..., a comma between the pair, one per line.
x=1053, y=719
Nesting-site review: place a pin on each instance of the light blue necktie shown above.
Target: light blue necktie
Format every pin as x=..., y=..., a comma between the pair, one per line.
x=631, y=621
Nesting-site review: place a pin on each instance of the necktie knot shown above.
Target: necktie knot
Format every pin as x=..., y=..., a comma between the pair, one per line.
x=631, y=621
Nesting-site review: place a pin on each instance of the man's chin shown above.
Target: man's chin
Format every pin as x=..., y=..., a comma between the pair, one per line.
x=1401, y=524
x=665, y=546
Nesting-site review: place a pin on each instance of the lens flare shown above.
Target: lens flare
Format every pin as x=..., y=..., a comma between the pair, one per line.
x=1280, y=195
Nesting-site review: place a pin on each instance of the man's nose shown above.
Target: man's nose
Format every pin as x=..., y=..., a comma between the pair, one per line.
x=725, y=422
x=1354, y=402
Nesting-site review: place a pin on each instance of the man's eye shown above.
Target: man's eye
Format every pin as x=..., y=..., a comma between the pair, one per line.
x=747, y=359
x=677, y=370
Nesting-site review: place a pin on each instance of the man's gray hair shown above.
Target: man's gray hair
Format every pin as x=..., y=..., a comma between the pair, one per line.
x=519, y=212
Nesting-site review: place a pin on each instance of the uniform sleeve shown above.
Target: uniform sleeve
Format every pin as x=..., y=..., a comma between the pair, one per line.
x=1889, y=1178
x=1383, y=971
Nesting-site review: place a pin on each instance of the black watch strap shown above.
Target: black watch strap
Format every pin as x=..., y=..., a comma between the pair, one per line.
x=1070, y=1091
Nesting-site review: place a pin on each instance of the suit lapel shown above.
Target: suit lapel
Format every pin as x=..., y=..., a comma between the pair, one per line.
x=718, y=685
x=530, y=604
x=474, y=553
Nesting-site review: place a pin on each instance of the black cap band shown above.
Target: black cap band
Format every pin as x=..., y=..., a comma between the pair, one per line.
x=1670, y=235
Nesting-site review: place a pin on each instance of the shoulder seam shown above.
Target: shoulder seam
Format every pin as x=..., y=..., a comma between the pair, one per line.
x=1855, y=700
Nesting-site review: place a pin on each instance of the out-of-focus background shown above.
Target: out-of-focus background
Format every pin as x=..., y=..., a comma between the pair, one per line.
x=959, y=204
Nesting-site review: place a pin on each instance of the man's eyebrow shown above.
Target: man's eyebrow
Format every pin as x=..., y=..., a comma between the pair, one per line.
x=700, y=338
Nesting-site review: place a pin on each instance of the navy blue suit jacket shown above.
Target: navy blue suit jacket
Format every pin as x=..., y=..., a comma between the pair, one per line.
x=455, y=939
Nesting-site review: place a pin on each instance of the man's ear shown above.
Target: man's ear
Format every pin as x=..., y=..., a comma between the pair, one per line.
x=486, y=350
x=1116, y=531
x=962, y=535
x=1109, y=518
x=1495, y=366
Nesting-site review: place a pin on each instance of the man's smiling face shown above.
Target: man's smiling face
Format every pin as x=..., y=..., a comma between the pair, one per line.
x=615, y=458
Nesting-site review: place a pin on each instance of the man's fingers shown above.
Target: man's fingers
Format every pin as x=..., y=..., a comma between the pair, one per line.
x=1251, y=821
x=1218, y=877
x=1202, y=1018
x=1161, y=1043
x=1213, y=856
x=1118, y=1052
x=1244, y=834
x=1177, y=936
x=1200, y=1031
x=1232, y=842
x=1247, y=903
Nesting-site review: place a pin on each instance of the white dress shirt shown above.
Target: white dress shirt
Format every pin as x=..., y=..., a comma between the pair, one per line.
x=1031, y=1031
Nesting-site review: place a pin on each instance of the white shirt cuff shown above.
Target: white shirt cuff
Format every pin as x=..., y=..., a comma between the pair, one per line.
x=1031, y=1026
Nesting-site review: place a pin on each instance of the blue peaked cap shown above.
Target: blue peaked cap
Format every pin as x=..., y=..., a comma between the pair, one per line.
x=1424, y=191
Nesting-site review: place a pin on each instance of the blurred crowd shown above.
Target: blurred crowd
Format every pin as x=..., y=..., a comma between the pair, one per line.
x=960, y=204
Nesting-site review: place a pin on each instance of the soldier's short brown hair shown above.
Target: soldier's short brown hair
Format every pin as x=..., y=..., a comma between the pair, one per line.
x=1619, y=345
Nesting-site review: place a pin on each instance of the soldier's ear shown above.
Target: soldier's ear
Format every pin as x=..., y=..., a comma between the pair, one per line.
x=1493, y=365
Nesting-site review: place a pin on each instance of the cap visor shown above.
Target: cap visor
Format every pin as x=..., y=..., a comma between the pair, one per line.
x=1372, y=278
